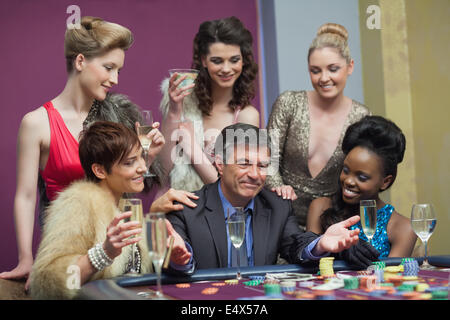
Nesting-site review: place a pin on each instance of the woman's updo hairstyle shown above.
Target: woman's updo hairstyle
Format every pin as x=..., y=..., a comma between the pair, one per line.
x=382, y=137
x=332, y=35
x=94, y=38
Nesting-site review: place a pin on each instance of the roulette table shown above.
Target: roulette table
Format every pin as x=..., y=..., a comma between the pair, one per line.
x=285, y=282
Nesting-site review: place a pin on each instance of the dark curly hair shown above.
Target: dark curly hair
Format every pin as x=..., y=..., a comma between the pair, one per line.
x=382, y=137
x=229, y=31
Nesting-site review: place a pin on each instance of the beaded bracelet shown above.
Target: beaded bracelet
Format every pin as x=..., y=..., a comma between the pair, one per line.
x=98, y=257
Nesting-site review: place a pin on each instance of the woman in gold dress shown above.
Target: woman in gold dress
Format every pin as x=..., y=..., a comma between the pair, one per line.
x=310, y=125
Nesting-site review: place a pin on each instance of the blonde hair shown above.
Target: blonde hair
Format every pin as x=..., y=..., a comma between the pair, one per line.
x=332, y=35
x=93, y=38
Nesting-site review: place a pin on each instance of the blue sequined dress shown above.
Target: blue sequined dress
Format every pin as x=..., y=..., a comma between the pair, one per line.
x=380, y=239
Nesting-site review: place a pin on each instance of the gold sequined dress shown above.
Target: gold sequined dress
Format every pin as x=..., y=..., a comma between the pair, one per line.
x=289, y=120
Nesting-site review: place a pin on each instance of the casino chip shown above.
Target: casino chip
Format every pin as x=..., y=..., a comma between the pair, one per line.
x=326, y=267
x=288, y=286
x=394, y=269
x=272, y=289
x=421, y=287
x=379, y=264
x=406, y=287
x=367, y=282
x=232, y=281
x=439, y=295
x=411, y=267
x=351, y=283
x=210, y=290
x=253, y=283
x=218, y=284
x=262, y=278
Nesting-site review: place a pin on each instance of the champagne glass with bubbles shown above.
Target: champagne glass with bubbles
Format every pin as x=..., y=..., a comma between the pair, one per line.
x=142, y=131
x=423, y=221
x=236, y=230
x=157, y=245
x=368, y=214
x=135, y=206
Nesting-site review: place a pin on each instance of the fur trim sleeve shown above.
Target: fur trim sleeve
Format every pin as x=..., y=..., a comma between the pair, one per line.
x=77, y=219
x=183, y=176
x=164, y=104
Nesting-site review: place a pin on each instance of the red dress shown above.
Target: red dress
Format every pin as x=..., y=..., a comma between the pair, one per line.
x=63, y=164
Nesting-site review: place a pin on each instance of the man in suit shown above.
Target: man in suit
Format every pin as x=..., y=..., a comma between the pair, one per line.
x=242, y=158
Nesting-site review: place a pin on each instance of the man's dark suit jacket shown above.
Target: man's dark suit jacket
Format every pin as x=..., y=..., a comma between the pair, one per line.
x=275, y=229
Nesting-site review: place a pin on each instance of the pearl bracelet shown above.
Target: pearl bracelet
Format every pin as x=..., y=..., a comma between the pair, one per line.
x=98, y=257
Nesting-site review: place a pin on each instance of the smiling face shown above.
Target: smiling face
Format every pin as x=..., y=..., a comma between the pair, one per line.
x=99, y=74
x=224, y=64
x=362, y=176
x=244, y=174
x=126, y=175
x=328, y=71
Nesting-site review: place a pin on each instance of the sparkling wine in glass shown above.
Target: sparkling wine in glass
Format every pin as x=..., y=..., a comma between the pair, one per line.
x=368, y=214
x=143, y=130
x=157, y=245
x=423, y=221
x=191, y=75
x=236, y=230
x=135, y=206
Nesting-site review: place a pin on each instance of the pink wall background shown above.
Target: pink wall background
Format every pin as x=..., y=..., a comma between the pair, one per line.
x=33, y=66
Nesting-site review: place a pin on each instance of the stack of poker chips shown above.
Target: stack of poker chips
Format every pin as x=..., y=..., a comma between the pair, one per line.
x=324, y=295
x=253, y=283
x=411, y=267
x=288, y=286
x=351, y=283
x=272, y=289
x=379, y=270
x=367, y=282
x=262, y=278
x=379, y=264
x=422, y=287
x=326, y=267
x=439, y=294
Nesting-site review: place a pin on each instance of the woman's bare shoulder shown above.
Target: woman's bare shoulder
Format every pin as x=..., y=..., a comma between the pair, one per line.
x=35, y=121
x=249, y=114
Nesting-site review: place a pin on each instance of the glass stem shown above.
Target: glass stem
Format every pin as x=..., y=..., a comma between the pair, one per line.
x=158, y=279
x=426, y=253
x=133, y=263
x=146, y=157
x=239, y=263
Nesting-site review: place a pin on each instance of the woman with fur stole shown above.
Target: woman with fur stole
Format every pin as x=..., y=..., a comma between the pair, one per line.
x=83, y=232
x=222, y=95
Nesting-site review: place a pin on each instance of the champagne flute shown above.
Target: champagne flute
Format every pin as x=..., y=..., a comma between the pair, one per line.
x=423, y=221
x=142, y=132
x=368, y=214
x=135, y=206
x=236, y=230
x=157, y=245
x=191, y=75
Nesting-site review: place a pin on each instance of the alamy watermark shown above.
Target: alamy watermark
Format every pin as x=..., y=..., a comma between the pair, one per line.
x=374, y=20
x=74, y=20
x=230, y=152
x=73, y=281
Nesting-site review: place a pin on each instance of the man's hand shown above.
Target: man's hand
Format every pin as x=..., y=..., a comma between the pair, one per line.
x=165, y=203
x=180, y=254
x=338, y=237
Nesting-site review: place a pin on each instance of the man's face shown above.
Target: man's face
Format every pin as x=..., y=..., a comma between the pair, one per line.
x=244, y=174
